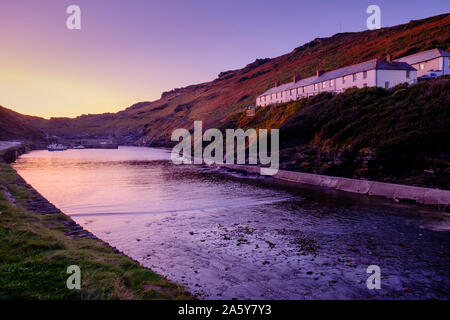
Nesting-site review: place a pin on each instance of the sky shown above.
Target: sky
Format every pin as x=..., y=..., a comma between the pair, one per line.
x=132, y=50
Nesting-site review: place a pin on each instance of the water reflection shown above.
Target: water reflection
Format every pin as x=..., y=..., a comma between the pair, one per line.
x=228, y=237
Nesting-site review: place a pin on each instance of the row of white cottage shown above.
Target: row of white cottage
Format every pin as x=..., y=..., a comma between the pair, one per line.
x=373, y=73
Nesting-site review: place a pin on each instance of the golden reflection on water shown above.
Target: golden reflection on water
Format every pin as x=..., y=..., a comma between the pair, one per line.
x=129, y=180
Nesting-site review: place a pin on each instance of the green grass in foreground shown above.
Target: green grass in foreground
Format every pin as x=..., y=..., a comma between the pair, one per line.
x=35, y=254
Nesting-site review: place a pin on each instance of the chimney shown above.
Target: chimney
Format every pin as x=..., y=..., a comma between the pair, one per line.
x=388, y=57
x=276, y=83
x=319, y=73
x=295, y=78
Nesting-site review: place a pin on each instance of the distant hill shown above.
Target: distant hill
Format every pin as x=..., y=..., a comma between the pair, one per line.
x=14, y=126
x=151, y=123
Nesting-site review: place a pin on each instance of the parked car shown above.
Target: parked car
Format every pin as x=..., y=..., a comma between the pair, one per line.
x=430, y=75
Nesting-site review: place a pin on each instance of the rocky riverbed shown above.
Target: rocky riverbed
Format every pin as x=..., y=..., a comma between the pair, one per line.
x=299, y=253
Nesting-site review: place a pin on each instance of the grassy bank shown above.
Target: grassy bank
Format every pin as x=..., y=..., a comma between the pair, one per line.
x=35, y=252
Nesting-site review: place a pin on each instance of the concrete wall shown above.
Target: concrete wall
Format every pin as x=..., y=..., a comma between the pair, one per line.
x=10, y=154
x=372, y=188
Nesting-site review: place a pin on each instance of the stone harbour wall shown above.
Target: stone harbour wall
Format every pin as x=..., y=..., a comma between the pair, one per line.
x=396, y=192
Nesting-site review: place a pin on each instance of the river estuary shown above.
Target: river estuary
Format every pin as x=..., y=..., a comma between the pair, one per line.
x=227, y=236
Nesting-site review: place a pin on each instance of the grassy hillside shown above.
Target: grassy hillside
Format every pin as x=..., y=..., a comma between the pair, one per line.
x=400, y=135
x=151, y=123
x=13, y=126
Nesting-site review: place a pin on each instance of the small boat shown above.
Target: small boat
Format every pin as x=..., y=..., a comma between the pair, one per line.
x=79, y=147
x=56, y=147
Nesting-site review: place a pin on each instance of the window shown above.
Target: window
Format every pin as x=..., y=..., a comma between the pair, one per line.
x=354, y=77
x=386, y=85
x=315, y=86
x=365, y=75
x=421, y=66
x=273, y=96
x=323, y=84
x=332, y=83
x=343, y=80
x=408, y=74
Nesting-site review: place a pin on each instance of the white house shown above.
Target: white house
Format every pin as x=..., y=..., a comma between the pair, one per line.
x=373, y=73
x=430, y=60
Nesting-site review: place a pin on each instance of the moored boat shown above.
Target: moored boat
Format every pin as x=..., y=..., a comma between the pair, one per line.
x=56, y=147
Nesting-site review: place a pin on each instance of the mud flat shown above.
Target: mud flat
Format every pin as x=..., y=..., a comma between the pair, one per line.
x=285, y=250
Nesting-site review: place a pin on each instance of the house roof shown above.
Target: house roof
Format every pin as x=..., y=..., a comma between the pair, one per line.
x=360, y=67
x=424, y=56
x=291, y=85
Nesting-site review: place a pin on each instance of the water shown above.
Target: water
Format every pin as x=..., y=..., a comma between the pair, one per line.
x=229, y=237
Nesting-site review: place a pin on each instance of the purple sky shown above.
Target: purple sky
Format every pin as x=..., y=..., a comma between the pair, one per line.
x=132, y=50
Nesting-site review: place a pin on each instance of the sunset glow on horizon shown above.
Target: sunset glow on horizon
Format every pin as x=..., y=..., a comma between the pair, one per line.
x=131, y=51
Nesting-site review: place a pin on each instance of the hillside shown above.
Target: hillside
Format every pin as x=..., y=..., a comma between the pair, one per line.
x=13, y=126
x=151, y=123
x=400, y=135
